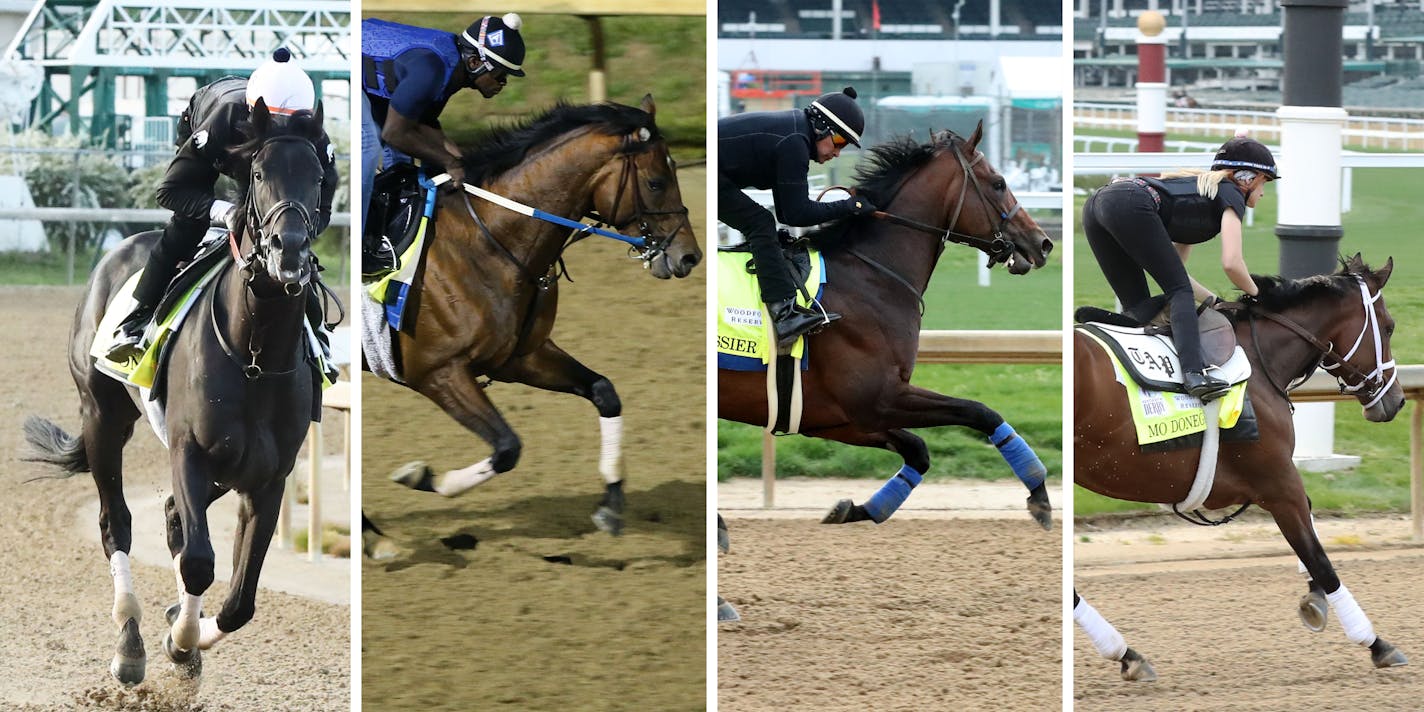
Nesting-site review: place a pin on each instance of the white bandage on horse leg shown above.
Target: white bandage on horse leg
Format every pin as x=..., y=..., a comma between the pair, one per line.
x=1105, y=637
x=185, y=626
x=459, y=481
x=126, y=604
x=208, y=633
x=610, y=455
x=1358, y=628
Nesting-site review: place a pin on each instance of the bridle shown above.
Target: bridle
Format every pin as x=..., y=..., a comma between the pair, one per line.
x=260, y=222
x=1372, y=385
x=654, y=245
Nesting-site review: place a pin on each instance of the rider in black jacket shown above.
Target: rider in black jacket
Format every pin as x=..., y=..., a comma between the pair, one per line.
x=214, y=122
x=773, y=150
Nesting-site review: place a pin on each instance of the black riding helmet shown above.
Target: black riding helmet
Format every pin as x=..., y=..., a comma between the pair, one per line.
x=498, y=43
x=837, y=113
x=1246, y=153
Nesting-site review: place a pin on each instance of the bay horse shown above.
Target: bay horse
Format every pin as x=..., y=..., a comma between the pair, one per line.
x=860, y=393
x=240, y=394
x=1296, y=325
x=489, y=294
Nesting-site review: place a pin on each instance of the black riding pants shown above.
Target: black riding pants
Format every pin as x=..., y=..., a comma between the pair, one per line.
x=1127, y=238
x=187, y=190
x=755, y=222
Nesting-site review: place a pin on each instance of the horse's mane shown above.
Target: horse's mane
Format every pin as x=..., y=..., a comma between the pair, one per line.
x=1279, y=294
x=877, y=178
x=502, y=148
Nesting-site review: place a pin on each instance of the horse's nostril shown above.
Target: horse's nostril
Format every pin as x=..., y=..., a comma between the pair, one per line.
x=1047, y=246
x=690, y=260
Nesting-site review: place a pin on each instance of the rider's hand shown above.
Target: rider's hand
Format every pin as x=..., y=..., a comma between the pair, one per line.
x=457, y=178
x=1250, y=300
x=223, y=212
x=861, y=206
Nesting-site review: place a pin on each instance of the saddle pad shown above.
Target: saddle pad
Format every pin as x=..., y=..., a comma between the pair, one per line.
x=1151, y=359
x=742, y=321
x=393, y=291
x=142, y=371
x=1158, y=416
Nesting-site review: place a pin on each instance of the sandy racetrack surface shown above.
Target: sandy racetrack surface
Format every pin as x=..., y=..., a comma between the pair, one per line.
x=1215, y=613
x=908, y=615
x=56, y=637
x=545, y=612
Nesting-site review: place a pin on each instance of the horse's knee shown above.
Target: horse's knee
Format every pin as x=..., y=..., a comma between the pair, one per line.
x=197, y=572
x=605, y=399
x=506, y=454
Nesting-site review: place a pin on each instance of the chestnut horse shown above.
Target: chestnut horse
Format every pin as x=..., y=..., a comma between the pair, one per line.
x=489, y=292
x=1296, y=325
x=860, y=393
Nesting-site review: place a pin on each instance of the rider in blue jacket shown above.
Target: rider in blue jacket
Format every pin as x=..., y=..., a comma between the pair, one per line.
x=773, y=150
x=408, y=74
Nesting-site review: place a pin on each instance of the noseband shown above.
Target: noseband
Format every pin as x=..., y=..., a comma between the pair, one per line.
x=654, y=245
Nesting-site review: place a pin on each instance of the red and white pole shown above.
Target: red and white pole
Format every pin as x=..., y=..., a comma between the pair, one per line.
x=1151, y=82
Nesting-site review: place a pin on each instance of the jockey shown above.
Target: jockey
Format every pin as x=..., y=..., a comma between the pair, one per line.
x=409, y=73
x=1150, y=224
x=773, y=150
x=215, y=121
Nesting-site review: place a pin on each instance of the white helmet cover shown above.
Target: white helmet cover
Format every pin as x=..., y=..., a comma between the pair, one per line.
x=282, y=85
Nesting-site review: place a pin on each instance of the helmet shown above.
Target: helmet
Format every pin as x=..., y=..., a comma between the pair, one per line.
x=498, y=41
x=282, y=85
x=837, y=113
x=1245, y=153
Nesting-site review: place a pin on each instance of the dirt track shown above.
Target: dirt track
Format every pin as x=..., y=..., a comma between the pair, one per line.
x=1215, y=612
x=56, y=637
x=622, y=626
x=907, y=615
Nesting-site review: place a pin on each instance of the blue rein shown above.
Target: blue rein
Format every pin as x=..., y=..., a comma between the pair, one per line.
x=522, y=209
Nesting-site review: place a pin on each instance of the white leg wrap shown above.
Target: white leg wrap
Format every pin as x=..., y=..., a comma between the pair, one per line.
x=185, y=626
x=459, y=481
x=610, y=456
x=126, y=604
x=208, y=633
x=1358, y=628
x=1105, y=637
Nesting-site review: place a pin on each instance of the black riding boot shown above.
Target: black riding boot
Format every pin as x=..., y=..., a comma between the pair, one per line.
x=1207, y=388
x=377, y=257
x=128, y=338
x=792, y=320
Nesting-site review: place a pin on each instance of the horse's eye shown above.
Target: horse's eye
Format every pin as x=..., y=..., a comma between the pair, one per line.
x=999, y=184
x=657, y=184
x=257, y=175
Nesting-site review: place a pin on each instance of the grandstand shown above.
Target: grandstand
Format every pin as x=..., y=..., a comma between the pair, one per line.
x=890, y=19
x=1228, y=52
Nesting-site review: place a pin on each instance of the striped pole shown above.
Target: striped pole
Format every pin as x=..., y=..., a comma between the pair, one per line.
x=1151, y=82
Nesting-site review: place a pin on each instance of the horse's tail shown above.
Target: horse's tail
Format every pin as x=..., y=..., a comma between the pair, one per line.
x=56, y=447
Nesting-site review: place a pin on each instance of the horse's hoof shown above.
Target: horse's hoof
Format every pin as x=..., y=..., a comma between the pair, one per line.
x=1040, y=509
x=187, y=663
x=840, y=512
x=415, y=475
x=726, y=613
x=172, y=613
x=129, y=660
x=377, y=547
x=608, y=520
x=1384, y=655
x=1314, y=610
x=1135, y=668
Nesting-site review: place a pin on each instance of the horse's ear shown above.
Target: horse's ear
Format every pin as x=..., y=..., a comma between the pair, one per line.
x=1355, y=265
x=261, y=118
x=978, y=134
x=1383, y=273
x=317, y=120
x=648, y=106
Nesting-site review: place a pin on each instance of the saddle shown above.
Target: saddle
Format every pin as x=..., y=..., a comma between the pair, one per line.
x=1146, y=349
x=211, y=251
x=797, y=252
x=397, y=204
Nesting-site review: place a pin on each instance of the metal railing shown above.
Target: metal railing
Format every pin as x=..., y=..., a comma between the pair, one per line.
x=1381, y=132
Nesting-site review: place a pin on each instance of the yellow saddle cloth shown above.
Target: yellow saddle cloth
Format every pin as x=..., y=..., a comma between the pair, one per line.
x=743, y=326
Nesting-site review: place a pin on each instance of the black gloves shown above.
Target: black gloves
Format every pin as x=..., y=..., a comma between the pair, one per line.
x=861, y=206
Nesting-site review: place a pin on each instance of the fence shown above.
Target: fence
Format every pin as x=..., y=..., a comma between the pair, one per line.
x=338, y=398
x=1361, y=131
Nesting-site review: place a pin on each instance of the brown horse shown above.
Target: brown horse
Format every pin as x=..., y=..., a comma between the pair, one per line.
x=878, y=271
x=1296, y=322
x=489, y=292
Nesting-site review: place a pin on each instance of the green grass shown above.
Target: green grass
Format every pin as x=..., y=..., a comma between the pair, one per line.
x=1029, y=398
x=1382, y=223
x=665, y=56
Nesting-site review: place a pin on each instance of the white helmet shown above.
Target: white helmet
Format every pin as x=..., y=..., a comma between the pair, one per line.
x=282, y=85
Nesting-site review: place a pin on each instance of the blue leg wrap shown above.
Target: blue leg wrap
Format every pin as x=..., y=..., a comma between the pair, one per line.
x=1019, y=455
x=892, y=494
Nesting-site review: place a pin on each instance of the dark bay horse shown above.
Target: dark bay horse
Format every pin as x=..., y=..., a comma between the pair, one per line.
x=240, y=395
x=878, y=271
x=489, y=294
x=1297, y=325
